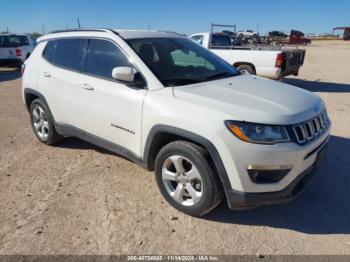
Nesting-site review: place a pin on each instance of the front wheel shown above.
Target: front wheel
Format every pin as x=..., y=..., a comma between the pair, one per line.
x=186, y=178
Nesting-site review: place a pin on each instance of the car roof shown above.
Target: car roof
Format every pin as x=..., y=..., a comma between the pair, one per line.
x=126, y=34
x=131, y=34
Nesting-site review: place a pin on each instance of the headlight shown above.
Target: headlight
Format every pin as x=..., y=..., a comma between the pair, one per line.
x=258, y=133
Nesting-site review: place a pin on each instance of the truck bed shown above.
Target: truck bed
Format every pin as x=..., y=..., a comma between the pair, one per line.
x=293, y=57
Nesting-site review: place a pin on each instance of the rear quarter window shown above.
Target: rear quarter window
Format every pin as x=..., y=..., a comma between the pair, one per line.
x=66, y=53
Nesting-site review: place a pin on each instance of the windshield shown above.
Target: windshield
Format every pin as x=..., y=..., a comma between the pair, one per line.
x=180, y=61
x=13, y=41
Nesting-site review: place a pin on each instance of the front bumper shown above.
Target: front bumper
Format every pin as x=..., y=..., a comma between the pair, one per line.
x=242, y=192
x=240, y=200
x=244, y=200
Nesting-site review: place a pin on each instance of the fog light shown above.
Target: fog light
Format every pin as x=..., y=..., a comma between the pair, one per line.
x=267, y=174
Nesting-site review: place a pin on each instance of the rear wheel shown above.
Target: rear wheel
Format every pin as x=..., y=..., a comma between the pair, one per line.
x=246, y=69
x=42, y=123
x=186, y=178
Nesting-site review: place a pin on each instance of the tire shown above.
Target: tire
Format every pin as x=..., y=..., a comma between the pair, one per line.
x=42, y=123
x=186, y=178
x=246, y=68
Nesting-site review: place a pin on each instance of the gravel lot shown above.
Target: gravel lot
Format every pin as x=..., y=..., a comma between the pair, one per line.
x=75, y=198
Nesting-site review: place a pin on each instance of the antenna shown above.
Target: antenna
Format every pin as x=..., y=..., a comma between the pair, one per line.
x=78, y=22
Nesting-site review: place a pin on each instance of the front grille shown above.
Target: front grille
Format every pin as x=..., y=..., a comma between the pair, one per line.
x=311, y=129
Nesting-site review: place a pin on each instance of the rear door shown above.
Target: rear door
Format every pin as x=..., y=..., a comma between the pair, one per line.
x=109, y=110
x=58, y=78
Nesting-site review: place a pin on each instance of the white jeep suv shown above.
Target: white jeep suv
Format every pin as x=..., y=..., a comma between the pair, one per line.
x=170, y=105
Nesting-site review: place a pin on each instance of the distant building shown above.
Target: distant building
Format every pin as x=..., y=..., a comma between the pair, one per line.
x=346, y=35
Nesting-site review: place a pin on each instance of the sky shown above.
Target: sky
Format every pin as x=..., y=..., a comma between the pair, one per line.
x=309, y=16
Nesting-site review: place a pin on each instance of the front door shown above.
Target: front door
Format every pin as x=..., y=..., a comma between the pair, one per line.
x=109, y=110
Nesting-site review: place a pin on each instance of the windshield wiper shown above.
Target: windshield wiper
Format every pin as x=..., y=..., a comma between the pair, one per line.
x=219, y=76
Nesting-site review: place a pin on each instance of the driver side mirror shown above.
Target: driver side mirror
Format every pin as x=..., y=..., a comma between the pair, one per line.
x=128, y=75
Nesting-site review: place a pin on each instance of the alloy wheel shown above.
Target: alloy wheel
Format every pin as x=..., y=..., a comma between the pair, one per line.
x=182, y=180
x=40, y=122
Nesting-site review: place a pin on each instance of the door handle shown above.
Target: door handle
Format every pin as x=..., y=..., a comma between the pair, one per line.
x=88, y=87
x=46, y=74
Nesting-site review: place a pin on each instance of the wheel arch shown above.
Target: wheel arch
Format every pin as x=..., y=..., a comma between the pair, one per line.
x=160, y=135
x=30, y=95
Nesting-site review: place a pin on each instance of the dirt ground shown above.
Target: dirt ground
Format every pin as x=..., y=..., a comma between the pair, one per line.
x=75, y=198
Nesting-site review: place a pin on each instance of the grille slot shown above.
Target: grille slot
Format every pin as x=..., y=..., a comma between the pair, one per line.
x=311, y=129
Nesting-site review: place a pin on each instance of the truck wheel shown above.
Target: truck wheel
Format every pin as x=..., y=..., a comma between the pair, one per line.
x=42, y=123
x=246, y=68
x=186, y=178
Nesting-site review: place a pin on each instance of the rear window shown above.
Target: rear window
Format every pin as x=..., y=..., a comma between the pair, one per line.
x=66, y=53
x=220, y=40
x=13, y=41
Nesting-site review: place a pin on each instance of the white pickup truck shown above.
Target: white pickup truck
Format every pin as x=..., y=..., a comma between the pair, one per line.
x=15, y=49
x=265, y=61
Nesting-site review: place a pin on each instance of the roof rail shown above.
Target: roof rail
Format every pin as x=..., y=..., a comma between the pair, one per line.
x=80, y=30
x=171, y=32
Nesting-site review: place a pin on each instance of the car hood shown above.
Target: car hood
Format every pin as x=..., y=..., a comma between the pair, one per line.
x=253, y=99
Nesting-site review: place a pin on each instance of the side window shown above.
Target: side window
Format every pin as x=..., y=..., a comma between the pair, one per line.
x=66, y=53
x=198, y=39
x=48, y=50
x=102, y=57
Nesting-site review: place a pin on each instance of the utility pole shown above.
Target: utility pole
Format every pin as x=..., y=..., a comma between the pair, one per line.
x=78, y=22
x=257, y=28
x=7, y=29
x=43, y=28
